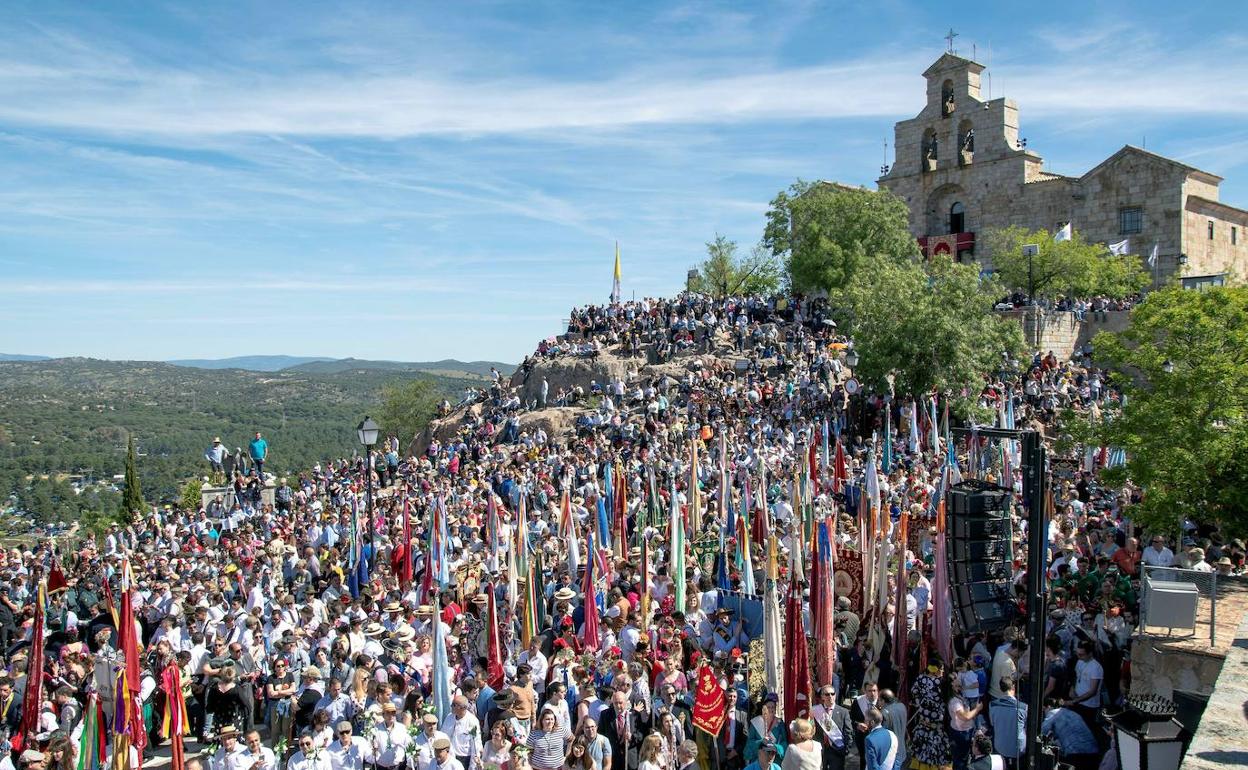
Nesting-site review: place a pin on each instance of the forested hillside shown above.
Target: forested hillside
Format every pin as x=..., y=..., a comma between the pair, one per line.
x=72, y=416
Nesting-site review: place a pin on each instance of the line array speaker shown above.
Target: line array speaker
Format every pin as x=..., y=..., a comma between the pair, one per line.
x=980, y=551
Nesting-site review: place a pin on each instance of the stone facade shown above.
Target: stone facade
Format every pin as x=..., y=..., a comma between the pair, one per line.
x=962, y=168
x=1062, y=333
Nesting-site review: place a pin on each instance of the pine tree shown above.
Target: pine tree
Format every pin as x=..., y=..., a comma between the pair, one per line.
x=132, y=496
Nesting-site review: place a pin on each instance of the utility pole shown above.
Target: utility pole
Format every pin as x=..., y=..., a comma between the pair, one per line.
x=1034, y=485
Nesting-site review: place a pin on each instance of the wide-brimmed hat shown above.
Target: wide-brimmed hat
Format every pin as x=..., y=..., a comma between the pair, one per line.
x=393, y=607
x=565, y=595
x=374, y=630
x=228, y=731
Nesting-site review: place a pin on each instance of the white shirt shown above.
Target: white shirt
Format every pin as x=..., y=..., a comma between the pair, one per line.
x=299, y=761
x=465, y=735
x=423, y=747
x=351, y=756
x=232, y=761
x=539, y=665
x=390, y=744
x=1155, y=558
x=265, y=755
x=1086, y=673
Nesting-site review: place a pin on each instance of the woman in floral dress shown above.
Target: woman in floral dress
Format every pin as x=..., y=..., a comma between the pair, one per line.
x=929, y=742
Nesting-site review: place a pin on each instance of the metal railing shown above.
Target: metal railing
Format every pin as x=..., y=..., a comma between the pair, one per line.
x=1206, y=584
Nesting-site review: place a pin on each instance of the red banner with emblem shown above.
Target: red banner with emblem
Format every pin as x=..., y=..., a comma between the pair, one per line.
x=848, y=577
x=709, y=704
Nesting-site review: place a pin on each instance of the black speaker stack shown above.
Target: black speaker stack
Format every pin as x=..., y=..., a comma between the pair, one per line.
x=980, y=555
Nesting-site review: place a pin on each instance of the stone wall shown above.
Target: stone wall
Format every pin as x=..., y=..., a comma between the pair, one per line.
x=1061, y=333
x=207, y=494
x=1226, y=251
x=1221, y=740
x=1160, y=669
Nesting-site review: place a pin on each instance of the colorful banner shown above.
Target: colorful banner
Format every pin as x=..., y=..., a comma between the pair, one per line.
x=710, y=707
x=849, y=577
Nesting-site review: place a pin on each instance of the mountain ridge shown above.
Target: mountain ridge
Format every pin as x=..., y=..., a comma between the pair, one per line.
x=303, y=364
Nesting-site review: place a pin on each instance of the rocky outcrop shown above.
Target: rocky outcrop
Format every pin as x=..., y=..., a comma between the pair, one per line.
x=567, y=372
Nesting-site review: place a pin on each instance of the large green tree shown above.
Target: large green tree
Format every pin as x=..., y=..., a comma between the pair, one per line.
x=1072, y=267
x=407, y=407
x=132, y=493
x=826, y=233
x=930, y=325
x=1183, y=367
x=725, y=272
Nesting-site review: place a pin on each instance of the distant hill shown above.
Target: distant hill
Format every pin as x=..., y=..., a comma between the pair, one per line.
x=20, y=357
x=447, y=367
x=250, y=363
x=72, y=415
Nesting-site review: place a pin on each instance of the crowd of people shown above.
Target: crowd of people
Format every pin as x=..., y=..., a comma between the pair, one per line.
x=509, y=599
x=1094, y=308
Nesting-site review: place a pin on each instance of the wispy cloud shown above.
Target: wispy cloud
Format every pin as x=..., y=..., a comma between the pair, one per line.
x=142, y=98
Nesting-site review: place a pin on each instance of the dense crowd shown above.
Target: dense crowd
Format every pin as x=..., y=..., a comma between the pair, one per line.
x=509, y=599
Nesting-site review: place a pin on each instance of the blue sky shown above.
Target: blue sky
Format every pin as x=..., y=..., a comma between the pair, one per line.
x=423, y=180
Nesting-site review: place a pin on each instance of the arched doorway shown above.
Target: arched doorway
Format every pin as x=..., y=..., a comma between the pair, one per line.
x=957, y=218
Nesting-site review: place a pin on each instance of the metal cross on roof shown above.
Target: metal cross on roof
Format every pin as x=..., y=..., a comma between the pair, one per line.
x=950, y=38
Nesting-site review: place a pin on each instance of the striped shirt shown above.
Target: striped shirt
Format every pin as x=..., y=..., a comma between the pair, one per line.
x=549, y=748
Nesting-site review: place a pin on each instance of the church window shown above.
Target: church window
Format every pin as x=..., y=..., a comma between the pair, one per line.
x=1211, y=229
x=947, y=103
x=1130, y=220
x=1234, y=235
x=957, y=218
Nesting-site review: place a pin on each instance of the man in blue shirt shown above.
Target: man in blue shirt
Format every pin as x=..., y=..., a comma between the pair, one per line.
x=1076, y=742
x=766, y=757
x=259, y=450
x=1009, y=721
x=880, y=744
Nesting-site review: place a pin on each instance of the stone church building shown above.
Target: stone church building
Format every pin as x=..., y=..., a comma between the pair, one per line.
x=962, y=169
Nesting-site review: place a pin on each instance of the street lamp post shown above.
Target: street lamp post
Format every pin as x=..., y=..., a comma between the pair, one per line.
x=1030, y=250
x=367, y=432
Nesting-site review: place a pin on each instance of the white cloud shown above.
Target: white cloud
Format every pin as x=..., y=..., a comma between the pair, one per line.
x=132, y=97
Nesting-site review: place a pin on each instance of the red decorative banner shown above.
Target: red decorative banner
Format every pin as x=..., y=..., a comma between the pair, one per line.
x=848, y=577
x=710, y=707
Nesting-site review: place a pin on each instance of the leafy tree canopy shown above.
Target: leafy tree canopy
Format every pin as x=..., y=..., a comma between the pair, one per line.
x=1184, y=431
x=826, y=233
x=1072, y=268
x=930, y=325
x=407, y=407
x=726, y=273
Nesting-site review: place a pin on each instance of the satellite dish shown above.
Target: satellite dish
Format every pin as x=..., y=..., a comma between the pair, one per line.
x=852, y=387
